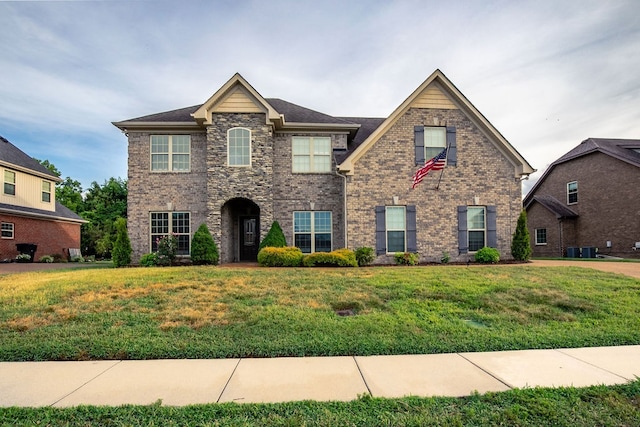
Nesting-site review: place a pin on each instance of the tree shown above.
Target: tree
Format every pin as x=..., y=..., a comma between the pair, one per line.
x=69, y=193
x=203, y=247
x=122, y=246
x=521, y=244
x=274, y=238
x=103, y=205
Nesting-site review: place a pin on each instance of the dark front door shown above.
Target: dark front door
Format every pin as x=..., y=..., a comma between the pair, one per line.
x=249, y=238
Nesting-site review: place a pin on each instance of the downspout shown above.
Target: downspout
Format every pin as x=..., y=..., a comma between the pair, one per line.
x=561, y=238
x=344, y=203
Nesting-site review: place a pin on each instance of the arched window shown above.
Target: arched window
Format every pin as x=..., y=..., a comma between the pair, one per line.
x=239, y=147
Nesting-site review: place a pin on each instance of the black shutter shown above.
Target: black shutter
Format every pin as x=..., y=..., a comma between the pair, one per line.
x=418, y=139
x=463, y=237
x=452, y=154
x=381, y=233
x=412, y=243
x=492, y=234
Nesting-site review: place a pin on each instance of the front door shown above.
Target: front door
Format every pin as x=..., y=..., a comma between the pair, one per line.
x=249, y=238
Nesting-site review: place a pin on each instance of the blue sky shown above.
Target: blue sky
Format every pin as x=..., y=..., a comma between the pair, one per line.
x=546, y=74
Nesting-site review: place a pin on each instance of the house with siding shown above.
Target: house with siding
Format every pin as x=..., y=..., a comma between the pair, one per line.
x=587, y=200
x=240, y=161
x=29, y=212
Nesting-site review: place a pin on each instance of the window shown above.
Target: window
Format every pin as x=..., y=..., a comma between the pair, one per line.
x=435, y=140
x=170, y=153
x=395, y=217
x=476, y=228
x=239, y=147
x=311, y=154
x=176, y=223
x=7, y=230
x=312, y=231
x=46, y=191
x=541, y=236
x=572, y=192
x=9, y=183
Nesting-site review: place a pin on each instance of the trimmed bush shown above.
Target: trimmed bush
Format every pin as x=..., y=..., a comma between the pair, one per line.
x=288, y=256
x=121, y=253
x=203, y=248
x=46, y=259
x=337, y=258
x=274, y=238
x=365, y=256
x=406, y=258
x=521, y=244
x=488, y=255
x=149, y=260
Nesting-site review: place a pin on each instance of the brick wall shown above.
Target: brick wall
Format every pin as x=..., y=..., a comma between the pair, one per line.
x=386, y=170
x=52, y=237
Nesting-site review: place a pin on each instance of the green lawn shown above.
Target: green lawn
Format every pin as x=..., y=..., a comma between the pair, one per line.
x=212, y=312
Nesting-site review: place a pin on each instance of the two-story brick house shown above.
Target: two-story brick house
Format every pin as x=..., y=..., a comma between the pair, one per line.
x=29, y=213
x=240, y=161
x=588, y=198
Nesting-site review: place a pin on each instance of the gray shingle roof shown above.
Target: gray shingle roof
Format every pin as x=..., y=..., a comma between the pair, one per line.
x=621, y=149
x=554, y=205
x=61, y=212
x=297, y=114
x=9, y=153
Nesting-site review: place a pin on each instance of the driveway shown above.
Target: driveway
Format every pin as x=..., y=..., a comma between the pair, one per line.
x=627, y=268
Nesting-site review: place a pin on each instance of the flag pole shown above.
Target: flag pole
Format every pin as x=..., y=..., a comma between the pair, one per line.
x=442, y=171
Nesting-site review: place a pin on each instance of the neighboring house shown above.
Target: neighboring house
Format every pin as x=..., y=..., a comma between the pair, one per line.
x=588, y=198
x=240, y=161
x=29, y=212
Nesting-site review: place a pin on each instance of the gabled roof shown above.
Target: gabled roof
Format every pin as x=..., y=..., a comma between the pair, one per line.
x=625, y=150
x=438, y=80
x=12, y=157
x=554, y=205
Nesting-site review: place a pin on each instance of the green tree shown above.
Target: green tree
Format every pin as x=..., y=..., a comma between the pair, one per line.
x=69, y=193
x=521, y=244
x=122, y=246
x=274, y=238
x=203, y=247
x=103, y=204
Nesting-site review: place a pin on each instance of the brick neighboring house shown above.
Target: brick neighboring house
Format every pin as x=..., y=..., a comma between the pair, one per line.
x=29, y=212
x=588, y=198
x=240, y=161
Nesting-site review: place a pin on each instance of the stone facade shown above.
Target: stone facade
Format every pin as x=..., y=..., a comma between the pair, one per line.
x=608, y=207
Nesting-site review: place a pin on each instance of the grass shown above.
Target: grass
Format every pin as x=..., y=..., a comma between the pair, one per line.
x=211, y=312
x=591, y=406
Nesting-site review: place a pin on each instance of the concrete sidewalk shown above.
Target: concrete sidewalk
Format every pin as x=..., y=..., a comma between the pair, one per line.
x=184, y=382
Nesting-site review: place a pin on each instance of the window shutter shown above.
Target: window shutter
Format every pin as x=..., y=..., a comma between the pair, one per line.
x=381, y=235
x=492, y=235
x=452, y=154
x=412, y=243
x=418, y=138
x=463, y=238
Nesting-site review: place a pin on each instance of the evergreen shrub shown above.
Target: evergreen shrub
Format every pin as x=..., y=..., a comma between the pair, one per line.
x=488, y=255
x=121, y=253
x=288, y=256
x=274, y=238
x=521, y=243
x=364, y=256
x=337, y=258
x=406, y=258
x=203, y=247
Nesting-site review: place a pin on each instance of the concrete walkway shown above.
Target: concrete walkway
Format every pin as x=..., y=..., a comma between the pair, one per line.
x=184, y=382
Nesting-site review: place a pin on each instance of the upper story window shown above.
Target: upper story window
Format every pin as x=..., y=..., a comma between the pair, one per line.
x=476, y=227
x=396, y=227
x=435, y=140
x=572, y=192
x=46, y=191
x=9, y=183
x=311, y=154
x=170, y=153
x=7, y=230
x=239, y=147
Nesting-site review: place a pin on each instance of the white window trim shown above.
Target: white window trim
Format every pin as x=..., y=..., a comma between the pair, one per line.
x=441, y=129
x=170, y=226
x=250, y=149
x=313, y=226
x=387, y=229
x=4, y=182
x=169, y=154
x=46, y=192
x=13, y=230
x=576, y=192
x=312, y=168
x=536, y=236
x=484, y=230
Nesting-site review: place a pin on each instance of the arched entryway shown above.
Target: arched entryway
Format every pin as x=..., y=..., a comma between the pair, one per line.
x=240, y=230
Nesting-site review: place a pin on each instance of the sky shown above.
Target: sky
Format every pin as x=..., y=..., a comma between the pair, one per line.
x=546, y=74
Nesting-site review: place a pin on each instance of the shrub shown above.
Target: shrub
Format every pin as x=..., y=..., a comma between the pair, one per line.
x=445, y=258
x=364, y=256
x=337, y=258
x=59, y=258
x=406, y=258
x=288, y=256
x=274, y=238
x=488, y=255
x=78, y=258
x=167, y=249
x=46, y=259
x=23, y=258
x=203, y=248
x=521, y=244
x=121, y=253
x=149, y=260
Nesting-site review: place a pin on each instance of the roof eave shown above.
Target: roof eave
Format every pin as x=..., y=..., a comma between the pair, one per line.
x=30, y=171
x=134, y=125
x=42, y=216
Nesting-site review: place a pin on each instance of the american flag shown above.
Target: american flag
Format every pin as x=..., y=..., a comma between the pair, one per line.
x=436, y=164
